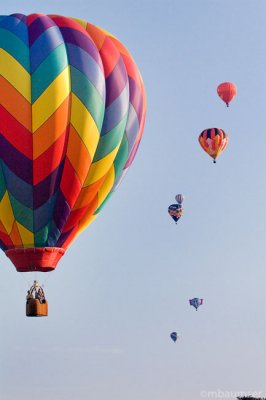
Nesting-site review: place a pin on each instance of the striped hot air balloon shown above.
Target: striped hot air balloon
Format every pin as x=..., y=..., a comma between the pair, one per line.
x=72, y=111
x=179, y=198
x=213, y=141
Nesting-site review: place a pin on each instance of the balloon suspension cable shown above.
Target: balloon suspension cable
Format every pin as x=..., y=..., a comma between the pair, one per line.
x=46, y=279
x=21, y=274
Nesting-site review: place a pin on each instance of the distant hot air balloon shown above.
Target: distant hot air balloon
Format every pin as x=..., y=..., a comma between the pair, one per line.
x=179, y=198
x=196, y=302
x=226, y=91
x=174, y=336
x=72, y=112
x=175, y=211
x=213, y=141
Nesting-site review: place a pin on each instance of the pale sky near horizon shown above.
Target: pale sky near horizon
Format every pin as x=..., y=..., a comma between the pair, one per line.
x=124, y=285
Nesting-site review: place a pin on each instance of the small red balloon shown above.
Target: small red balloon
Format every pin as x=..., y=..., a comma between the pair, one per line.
x=226, y=91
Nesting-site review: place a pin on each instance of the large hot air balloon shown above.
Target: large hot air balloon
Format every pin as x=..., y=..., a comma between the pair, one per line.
x=226, y=91
x=196, y=302
x=213, y=141
x=72, y=111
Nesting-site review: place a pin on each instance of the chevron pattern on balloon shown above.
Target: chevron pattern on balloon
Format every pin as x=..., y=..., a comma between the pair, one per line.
x=72, y=112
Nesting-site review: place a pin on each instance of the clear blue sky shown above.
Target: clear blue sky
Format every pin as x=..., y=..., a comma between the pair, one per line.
x=125, y=283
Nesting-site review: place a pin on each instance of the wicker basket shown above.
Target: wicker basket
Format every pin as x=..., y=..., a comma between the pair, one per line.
x=36, y=309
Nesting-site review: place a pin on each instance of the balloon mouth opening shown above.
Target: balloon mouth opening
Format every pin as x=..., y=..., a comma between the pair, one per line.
x=43, y=259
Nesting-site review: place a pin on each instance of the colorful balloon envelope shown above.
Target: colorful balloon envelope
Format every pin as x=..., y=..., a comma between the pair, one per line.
x=226, y=91
x=214, y=141
x=174, y=336
x=179, y=198
x=72, y=112
x=196, y=302
x=175, y=211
